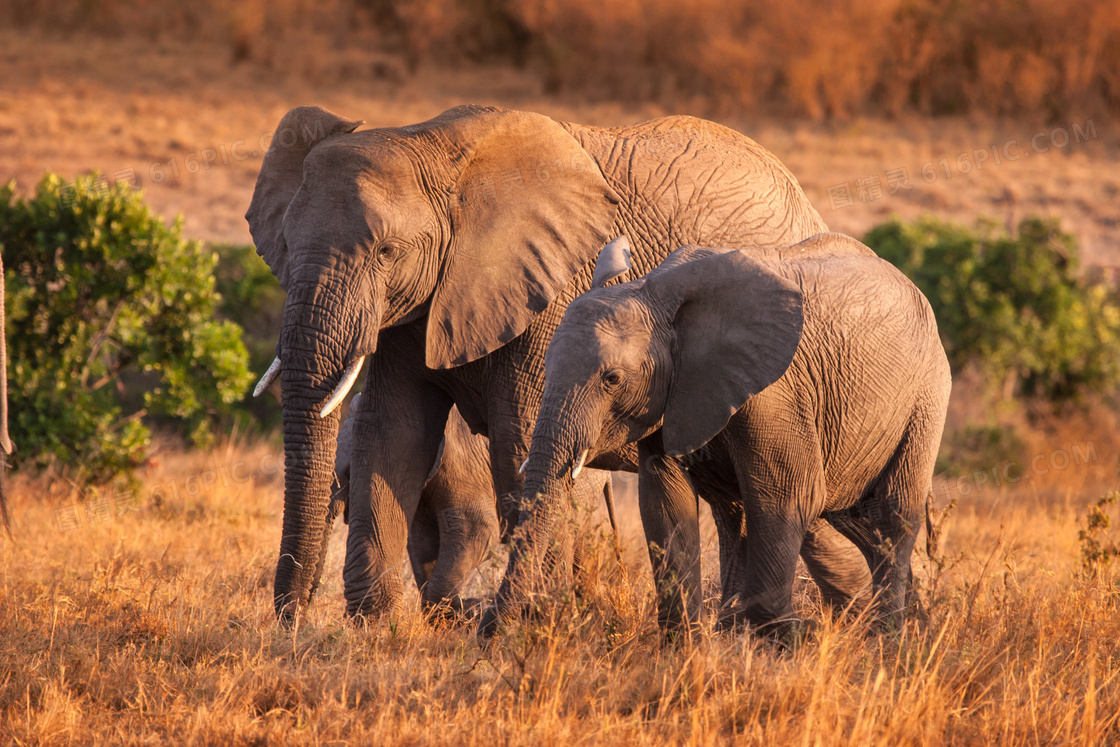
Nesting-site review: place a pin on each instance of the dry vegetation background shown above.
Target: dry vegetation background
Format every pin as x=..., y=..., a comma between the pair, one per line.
x=818, y=58
x=152, y=621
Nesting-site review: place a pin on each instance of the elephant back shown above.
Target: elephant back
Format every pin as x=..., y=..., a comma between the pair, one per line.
x=685, y=180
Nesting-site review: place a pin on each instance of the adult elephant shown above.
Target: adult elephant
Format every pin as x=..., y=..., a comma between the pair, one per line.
x=451, y=249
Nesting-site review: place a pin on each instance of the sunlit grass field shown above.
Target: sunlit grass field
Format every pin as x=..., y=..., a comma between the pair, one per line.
x=146, y=618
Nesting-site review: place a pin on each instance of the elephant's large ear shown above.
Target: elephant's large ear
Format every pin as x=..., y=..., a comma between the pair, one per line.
x=299, y=131
x=737, y=327
x=529, y=210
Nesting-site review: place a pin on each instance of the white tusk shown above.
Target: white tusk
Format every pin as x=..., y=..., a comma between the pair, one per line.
x=349, y=376
x=521, y=469
x=293, y=557
x=579, y=464
x=268, y=378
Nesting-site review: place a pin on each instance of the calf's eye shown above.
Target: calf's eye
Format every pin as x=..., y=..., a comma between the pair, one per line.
x=612, y=378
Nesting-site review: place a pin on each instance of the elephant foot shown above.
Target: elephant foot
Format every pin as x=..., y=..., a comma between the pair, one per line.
x=787, y=633
x=376, y=601
x=681, y=635
x=887, y=622
x=454, y=610
x=785, y=630
x=489, y=625
x=847, y=609
x=500, y=613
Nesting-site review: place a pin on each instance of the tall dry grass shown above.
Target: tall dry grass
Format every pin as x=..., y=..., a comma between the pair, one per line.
x=156, y=625
x=819, y=58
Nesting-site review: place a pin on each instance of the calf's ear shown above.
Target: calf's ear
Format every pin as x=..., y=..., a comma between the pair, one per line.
x=737, y=326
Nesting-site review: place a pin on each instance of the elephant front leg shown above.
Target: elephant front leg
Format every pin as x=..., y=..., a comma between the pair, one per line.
x=765, y=594
x=782, y=490
x=670, y=517
x=398, y=431
x=721, y=492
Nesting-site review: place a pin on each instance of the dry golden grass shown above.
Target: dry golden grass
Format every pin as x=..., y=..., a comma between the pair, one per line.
x=156, y=626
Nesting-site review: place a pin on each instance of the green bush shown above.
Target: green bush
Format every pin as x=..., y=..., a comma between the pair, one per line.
x=103, y=300
x=252, y=298
x=1013, y=305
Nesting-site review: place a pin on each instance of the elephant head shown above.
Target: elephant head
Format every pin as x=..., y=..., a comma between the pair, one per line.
x=475, y=220
x=677, y=351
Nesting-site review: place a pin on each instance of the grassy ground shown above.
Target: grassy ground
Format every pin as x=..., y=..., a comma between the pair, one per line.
x=152, y=622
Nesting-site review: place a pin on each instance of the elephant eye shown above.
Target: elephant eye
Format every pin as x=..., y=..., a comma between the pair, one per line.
x=387, y=252
x=612, y=378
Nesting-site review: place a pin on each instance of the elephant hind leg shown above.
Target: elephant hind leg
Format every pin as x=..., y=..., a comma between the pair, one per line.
x=721, y=491
x=333, y=510
x=466, y=535
x=462, y=506
x=884, y=524
x=837, y=566
x=423, y=545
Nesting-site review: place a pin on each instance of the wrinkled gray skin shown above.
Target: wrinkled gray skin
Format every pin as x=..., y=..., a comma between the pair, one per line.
x=452, y=248
x=794, y=384
x=456, y=523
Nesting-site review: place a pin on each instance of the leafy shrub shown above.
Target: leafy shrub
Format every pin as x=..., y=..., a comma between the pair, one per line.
x=103, y=298
x=1013, y=305
x=977, y=447
x=253, y=299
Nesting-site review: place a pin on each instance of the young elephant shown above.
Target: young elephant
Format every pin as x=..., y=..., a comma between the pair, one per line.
x=800, y=382
x=457, y=523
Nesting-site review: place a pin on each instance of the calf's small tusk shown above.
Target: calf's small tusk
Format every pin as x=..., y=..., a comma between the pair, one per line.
x=521, y=469
x=349, y=376
x=579, y=464
x=268, y=378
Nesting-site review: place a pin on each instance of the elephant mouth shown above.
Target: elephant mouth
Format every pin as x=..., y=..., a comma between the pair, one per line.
x=577, y=467
x=578, y=462
x=346, y=382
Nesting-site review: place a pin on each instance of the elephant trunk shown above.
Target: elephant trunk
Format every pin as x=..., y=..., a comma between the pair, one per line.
x=557, y=455
x=309, y=443
x=313, y=364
